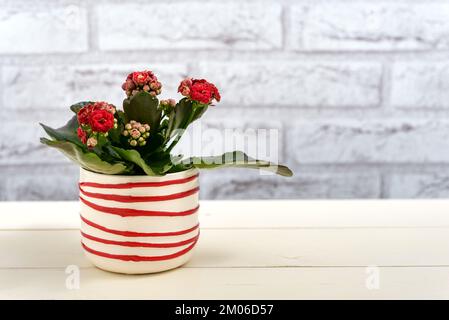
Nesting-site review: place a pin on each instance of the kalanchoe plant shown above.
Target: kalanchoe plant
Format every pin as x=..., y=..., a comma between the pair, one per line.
x=139, y=139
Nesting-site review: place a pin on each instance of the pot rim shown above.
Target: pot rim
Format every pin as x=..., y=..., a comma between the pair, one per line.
x=180, y=174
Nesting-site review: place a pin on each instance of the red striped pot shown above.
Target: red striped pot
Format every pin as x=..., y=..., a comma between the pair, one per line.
x=139, y=224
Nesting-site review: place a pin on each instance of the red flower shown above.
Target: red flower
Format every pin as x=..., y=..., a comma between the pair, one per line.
x=140, y=78
x=101, y=120
x=82, y=135
x=199, y=90
x=216, y=94
x=104, y=105
x=83, y=114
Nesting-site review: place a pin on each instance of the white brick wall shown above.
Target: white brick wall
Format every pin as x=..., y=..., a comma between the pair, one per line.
x=59, y=86
x=311, y=84
x=358, y=89
x=372, y=26
x=420, y=85
x=38, y=27
x=189, y=25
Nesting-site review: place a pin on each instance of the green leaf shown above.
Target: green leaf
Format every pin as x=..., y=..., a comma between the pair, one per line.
x=65, y=133
x=87, y=160
x=121, y=117
x=180, y=167
x=77, y=106
x=237, y=159
x=133, y=156
x=143, y=107
x=162, y=162
x=185, y=112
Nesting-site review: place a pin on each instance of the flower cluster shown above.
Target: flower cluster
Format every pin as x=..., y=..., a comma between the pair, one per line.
x=168, y=105
x=93, y=119
x=138, y=133
x=142, y=81
x=199, y=90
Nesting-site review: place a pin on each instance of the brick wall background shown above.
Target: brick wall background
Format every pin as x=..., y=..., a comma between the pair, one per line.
x=359, y=89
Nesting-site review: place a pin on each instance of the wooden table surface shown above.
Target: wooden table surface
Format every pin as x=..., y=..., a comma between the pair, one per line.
x=247, y=250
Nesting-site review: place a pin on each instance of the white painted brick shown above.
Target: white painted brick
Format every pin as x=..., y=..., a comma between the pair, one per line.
x=312, y=84
x=193, y=25
x=41, y=183
x=370, y=141
x=249, y=184
x=420, y=85
x=60, y=86
x=425, y=185
x=38, y=28
x=371, y=26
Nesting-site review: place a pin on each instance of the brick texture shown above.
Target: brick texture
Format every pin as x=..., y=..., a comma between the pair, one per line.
x=421, y=85
x=60, y=86
x=235, y=25
x=313, y=84
x=38, y=28
x=420, y=185
x=41, y=183
x=240, y=184
x=381, y=141
x=371, y=26
x=356, y=92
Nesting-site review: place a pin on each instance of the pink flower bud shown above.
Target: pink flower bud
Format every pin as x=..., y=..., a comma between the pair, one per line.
x=135, y=133
x=153, y=86
x=146, y=88
x=185, y=91
x=172, y=102
x=91, y=142
x=130, y=84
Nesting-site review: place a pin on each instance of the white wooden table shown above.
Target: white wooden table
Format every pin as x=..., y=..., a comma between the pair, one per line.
x=247, y=250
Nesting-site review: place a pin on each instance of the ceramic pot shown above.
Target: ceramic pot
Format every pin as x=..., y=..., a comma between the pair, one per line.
x=139, y=224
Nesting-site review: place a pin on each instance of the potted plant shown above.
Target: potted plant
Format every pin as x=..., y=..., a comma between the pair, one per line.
x=139, y=203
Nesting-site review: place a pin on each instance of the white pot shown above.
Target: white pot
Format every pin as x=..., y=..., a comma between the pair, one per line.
x=139, y=224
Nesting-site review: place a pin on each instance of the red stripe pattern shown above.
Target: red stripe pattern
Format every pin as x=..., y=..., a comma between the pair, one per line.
x=156, y=226
x=140, y=244
x=130, y=185
x=125, y=212
x=137, y=258
x=120, y=198
x=132, y=234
